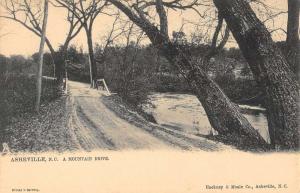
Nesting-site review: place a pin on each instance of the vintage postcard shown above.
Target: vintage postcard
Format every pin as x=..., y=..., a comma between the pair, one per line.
x=149, y=96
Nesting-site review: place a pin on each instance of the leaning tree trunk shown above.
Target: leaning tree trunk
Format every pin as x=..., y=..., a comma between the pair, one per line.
x=223, y=115
x=270, y=69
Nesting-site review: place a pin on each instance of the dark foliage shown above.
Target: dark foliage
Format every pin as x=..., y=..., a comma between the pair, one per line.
x=135, y=71
x=17, y=96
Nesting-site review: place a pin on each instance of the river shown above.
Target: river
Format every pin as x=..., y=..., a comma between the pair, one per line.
x=185, y=113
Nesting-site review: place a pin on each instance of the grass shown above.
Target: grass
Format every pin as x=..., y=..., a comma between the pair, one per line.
x=17, y=97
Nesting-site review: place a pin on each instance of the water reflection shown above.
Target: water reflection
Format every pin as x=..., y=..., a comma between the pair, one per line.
x=184, y=112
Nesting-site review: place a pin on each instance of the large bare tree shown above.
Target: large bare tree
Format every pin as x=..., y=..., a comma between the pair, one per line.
x=86, y=12
x=270, y=68
x=117, y=30
x=223, y=115
x=267, y=63
x=29, y=14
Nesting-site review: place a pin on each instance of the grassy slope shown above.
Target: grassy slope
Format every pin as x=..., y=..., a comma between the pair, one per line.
x=46, y=131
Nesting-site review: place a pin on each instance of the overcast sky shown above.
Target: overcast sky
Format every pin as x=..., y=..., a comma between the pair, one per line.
x=19, y=40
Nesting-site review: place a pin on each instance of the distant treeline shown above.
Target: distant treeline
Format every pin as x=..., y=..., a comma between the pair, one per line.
x=134, y=71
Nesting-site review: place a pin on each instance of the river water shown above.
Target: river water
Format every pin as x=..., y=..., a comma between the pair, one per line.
x=185, y=113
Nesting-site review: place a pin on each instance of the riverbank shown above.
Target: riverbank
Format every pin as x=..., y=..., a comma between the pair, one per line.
x=184, y=112
x=176, y=138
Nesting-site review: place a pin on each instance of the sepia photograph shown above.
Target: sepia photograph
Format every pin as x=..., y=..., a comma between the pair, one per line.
x=137, y=82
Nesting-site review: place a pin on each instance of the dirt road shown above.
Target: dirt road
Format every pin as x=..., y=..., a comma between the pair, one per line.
x=97, y=127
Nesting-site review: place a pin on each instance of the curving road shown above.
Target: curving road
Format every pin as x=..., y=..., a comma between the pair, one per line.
x=97, y=127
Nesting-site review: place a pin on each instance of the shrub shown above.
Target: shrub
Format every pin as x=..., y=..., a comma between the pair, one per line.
x=18, y=94
x=241, y=90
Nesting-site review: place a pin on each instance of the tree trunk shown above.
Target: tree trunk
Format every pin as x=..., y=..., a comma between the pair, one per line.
x=59, y=59
x=92, y=61
x=293, y=21
x=292, y=51
x=224, y=116
x=41, y=55
x=58, y=62
x=270, y=70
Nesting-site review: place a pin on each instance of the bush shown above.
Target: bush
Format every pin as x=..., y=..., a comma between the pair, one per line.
x=18, y=94
x=170, y=83
x=241, y=90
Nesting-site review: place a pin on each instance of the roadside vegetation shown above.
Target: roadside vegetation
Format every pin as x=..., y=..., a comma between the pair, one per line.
x=140, y=55
x=145, y=71
x=18, y=93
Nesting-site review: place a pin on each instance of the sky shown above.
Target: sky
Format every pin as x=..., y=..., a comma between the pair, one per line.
x=15, y=39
